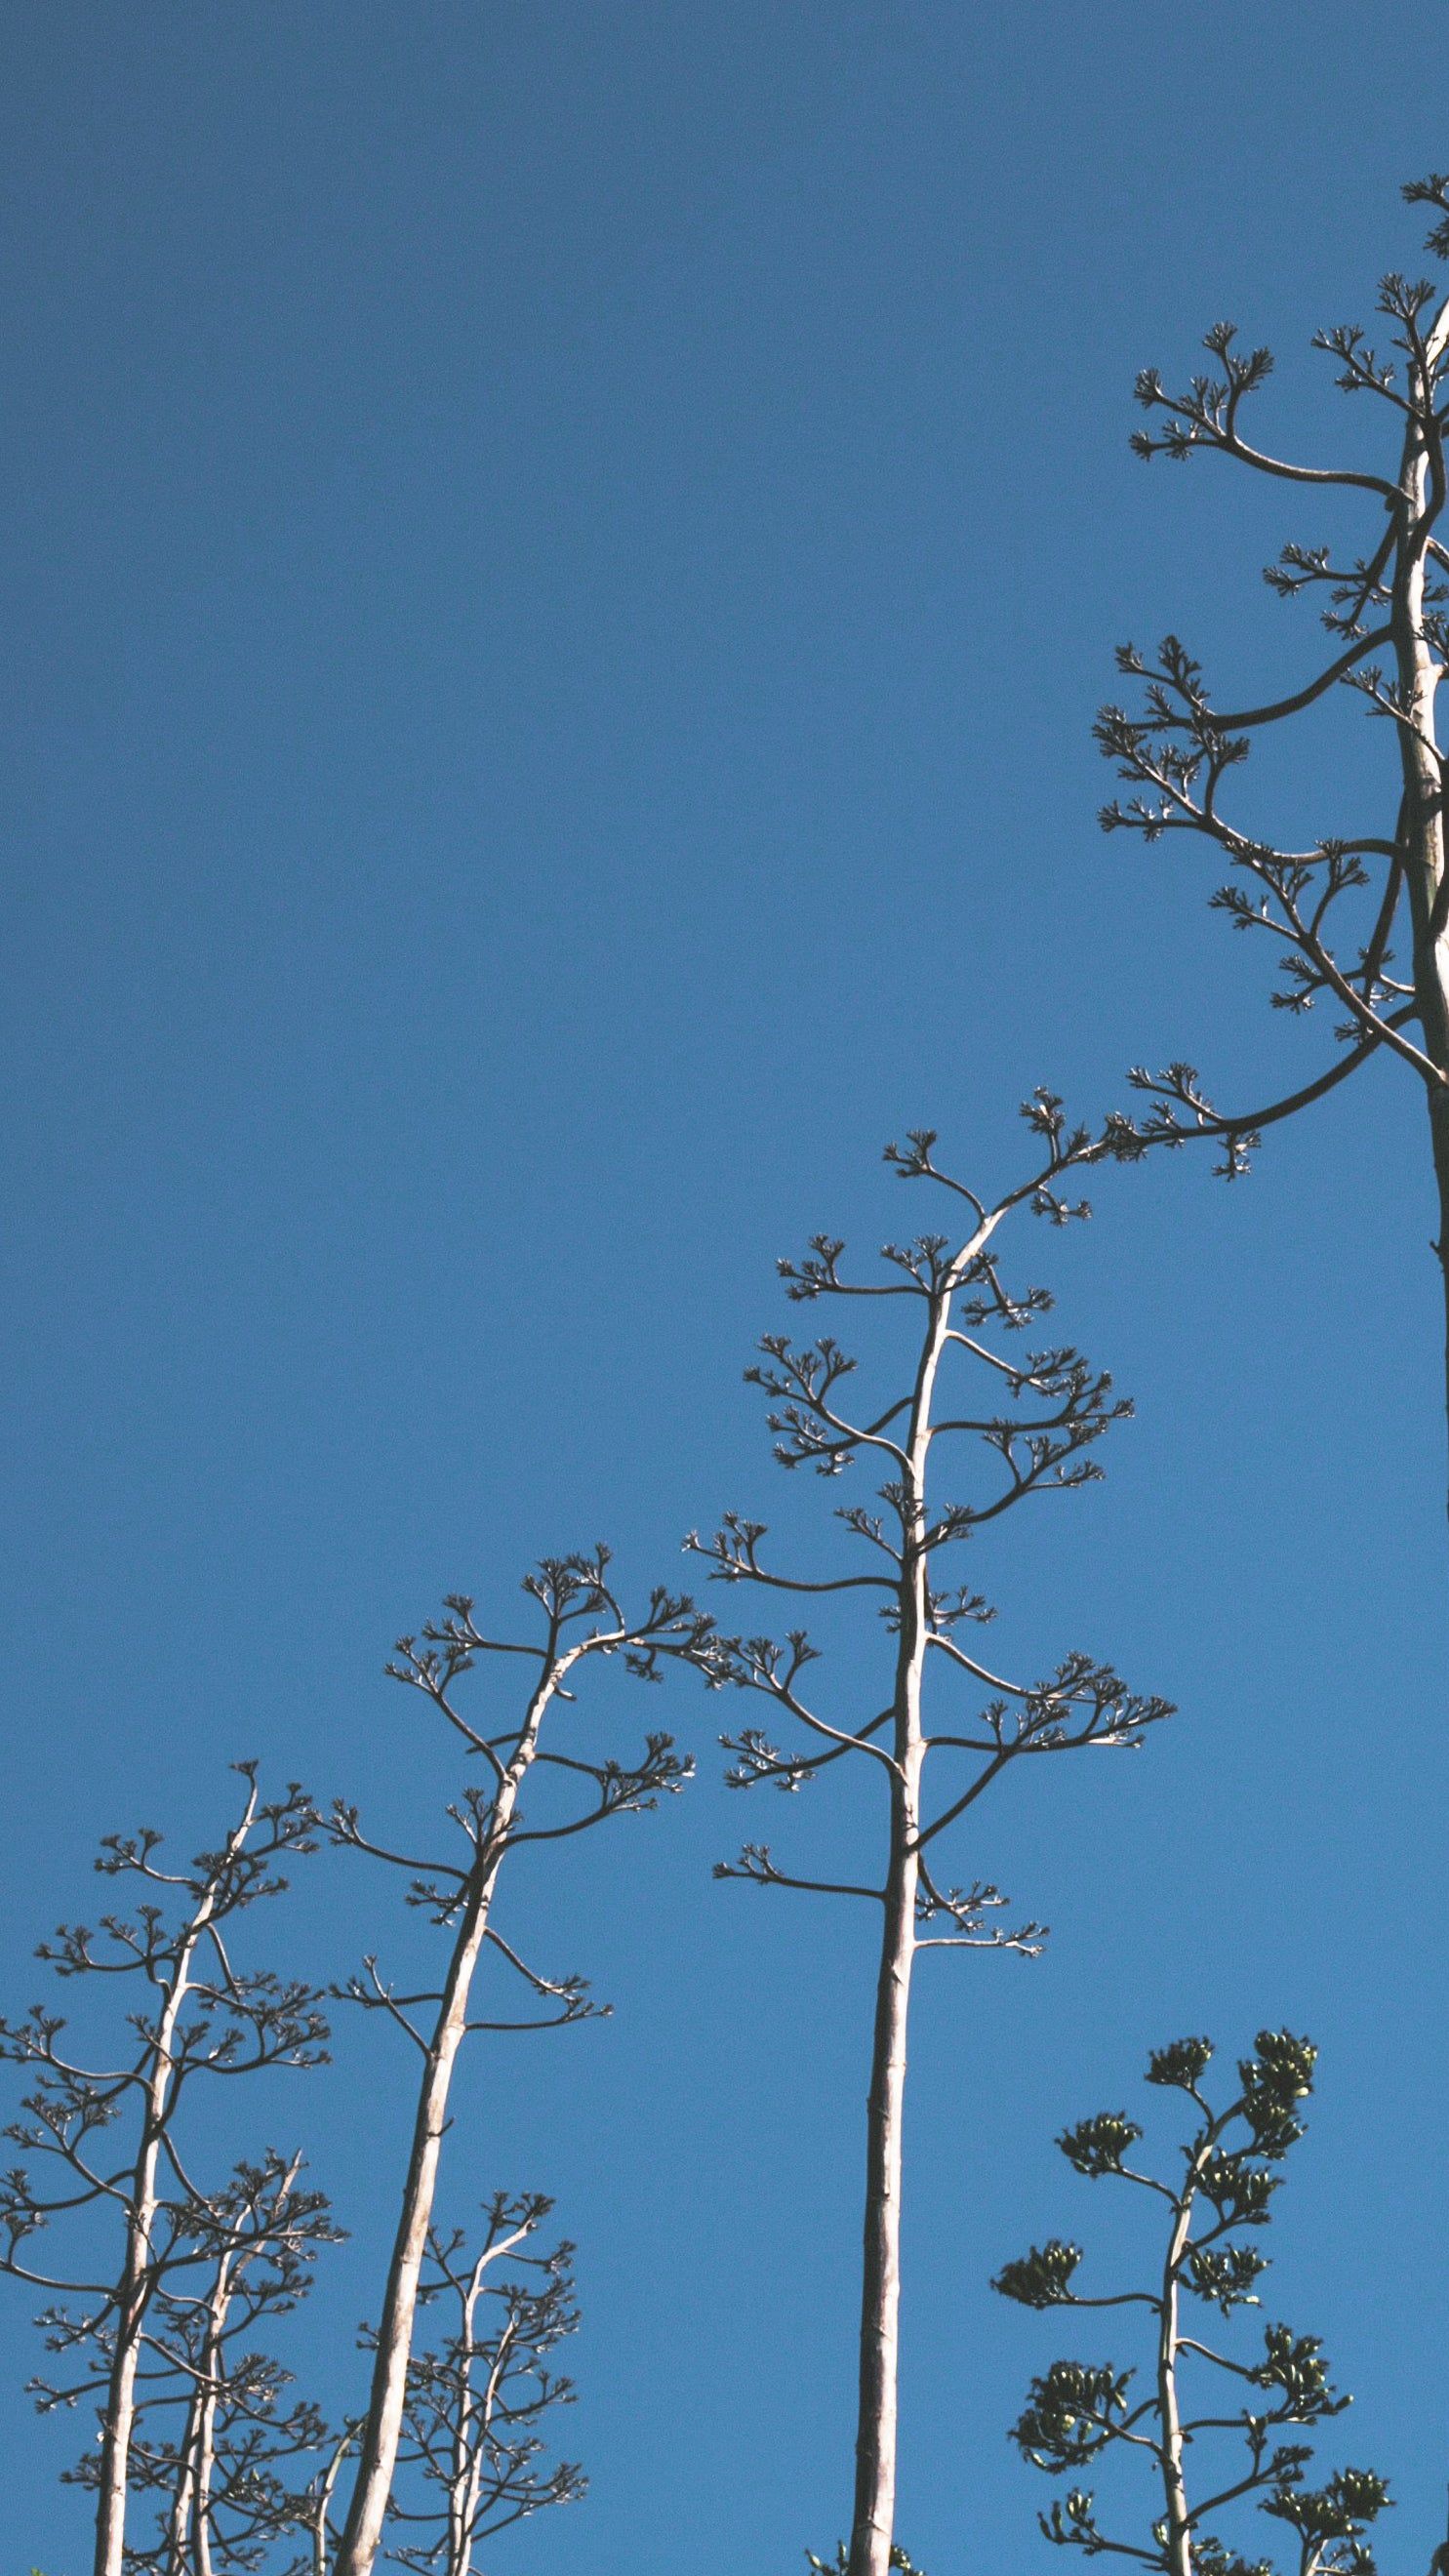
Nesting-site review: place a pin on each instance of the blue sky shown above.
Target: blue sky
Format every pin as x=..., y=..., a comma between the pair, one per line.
x=557, y=565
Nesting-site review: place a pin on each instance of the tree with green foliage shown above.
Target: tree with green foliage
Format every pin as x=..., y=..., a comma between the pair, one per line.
x=1205, y=2422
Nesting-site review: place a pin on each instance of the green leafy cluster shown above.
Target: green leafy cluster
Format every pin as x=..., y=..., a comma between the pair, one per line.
x=1225, y=2274
x=1097, y=2146
x=1042, y=2278
x=1182, y=2063
x=1293, y=2364
x=1239, y=2188
x=1071, y=2414
x=1331, y=2520
x=1274, y=2083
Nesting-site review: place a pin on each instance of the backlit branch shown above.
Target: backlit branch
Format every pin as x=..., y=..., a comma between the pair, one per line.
x=1018, y=1423
x=1341, y=912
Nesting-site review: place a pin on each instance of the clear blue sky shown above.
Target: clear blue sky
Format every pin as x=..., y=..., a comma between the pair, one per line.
x=557, y=566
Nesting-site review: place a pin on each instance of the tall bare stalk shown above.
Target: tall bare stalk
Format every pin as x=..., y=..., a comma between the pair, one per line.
x=1032, y=1420
x=227, y=2474
x=478, y=2395
x=198, y=2015
x=581, y=1622
x=1335, y=908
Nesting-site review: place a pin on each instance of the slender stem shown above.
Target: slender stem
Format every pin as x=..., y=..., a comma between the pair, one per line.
x=1177, y=2543
x=1422, y=496
x=382, y=2428
x=208, y=2390
x=137, y=2279
x=179, y=2520
x=322, y=2500
x=875, y=2450
x=873, y=2525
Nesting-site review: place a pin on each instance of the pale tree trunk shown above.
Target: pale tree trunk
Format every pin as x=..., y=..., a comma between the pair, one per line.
x=378, y=2448
x=1177, y=2545
x=875, y=2449
x=188, y=2540
x=475, y=2414
x=120, y=2410
x=179, y=2520
x=382, y=2429
x=321, y=2502
x=873, y=2523
x=1421, y=485
x=206, y=2421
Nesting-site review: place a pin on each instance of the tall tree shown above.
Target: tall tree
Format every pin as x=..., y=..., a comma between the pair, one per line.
x=1337, y=909
x=1208, y=2424
x=480, y=2393
x=198, y=2015
x=220, y=2439
x=1031, y=1421
x=580, y=1624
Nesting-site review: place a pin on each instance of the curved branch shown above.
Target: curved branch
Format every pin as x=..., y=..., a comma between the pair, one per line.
x=1301, y=698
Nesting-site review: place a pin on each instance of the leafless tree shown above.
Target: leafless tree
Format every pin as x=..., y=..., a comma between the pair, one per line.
x=1333, y=910
x=1210, y=2453
x=472, y=2458
x=315, y=2514
x=580, y=1623
x=102, y=2147
x=219, y=2438
x=1032, y=1421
